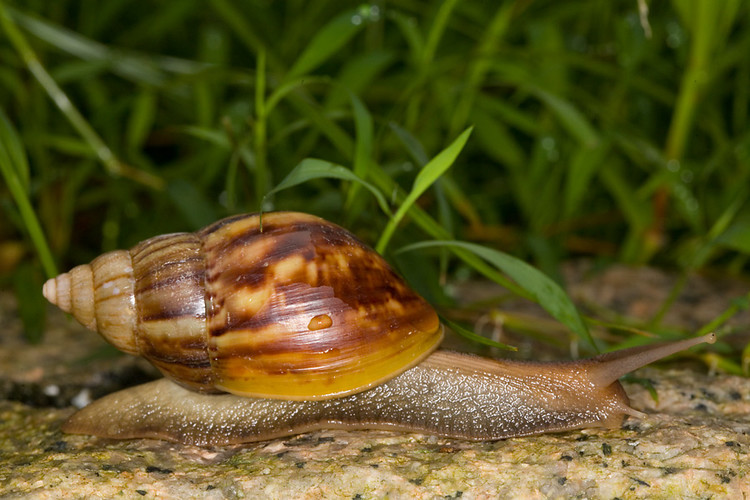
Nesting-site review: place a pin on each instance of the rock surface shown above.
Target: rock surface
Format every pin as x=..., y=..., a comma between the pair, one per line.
x=694, y=443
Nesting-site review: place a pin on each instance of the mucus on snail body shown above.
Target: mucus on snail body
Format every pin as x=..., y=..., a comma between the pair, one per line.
x=308, y=328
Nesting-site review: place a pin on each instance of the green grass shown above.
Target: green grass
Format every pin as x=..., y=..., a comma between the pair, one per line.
x=590, y=138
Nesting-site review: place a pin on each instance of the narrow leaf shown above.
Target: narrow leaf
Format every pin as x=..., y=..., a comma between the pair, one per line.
x=433, y=228
x=358, y=73
x=737, y=236
x=141, y=119
x=362, y=151
x=585, y=163
x=570, y=118
x=312, y=168
x=412, y=144
x=475, y=337
x=542, y=290
x=27, y=283
x=11, y=151
x=327, y=41
x=429, y=174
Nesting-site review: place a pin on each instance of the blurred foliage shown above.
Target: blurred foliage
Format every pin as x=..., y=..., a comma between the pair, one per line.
x=616, y=130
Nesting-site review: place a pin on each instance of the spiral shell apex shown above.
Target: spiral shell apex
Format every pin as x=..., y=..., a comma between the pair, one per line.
x=299, y=310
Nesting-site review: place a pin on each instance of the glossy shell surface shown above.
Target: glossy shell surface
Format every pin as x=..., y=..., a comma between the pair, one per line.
x=299, y=310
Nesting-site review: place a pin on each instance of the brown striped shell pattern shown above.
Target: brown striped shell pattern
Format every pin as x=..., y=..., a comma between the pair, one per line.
x=299, y=310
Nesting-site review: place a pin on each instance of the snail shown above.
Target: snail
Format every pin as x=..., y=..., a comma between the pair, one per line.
x=299, y=326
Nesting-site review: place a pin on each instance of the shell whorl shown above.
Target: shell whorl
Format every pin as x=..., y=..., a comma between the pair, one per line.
x=100, y=296
x=299, y=310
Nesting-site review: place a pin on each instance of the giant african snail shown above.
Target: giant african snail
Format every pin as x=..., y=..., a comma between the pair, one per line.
x=309, y=329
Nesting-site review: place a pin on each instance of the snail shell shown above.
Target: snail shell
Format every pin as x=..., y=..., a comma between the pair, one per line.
x=298, y=310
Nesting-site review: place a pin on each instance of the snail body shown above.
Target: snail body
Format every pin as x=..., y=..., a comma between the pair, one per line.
x=448, y=394
x=208, y=309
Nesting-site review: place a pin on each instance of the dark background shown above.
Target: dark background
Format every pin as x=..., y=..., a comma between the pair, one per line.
x=601, y=130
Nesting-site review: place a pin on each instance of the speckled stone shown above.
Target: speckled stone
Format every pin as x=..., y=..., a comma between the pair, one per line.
x=695, y=443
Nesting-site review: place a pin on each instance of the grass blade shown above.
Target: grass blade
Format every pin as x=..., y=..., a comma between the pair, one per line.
x=329, y=39
x=429, y=174
x=362, y=153
x=475, y=337
x=137, y=67
x=574, y=122
x=411, y=143
x=312, y=168
x=27, y=284
x=540, y=288
x=585, y=163
x=13, y=161
x=141, y=120
x=12, y=154
x=234, y=17
x=104, y=153
x=260, y=129
x=436, y=31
